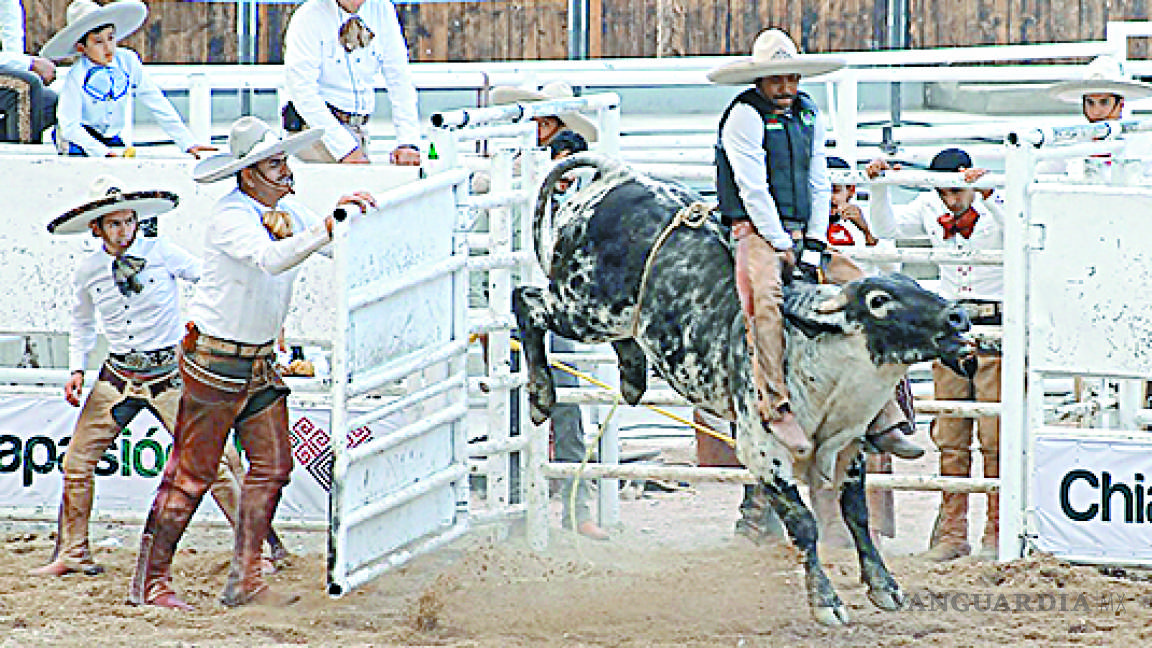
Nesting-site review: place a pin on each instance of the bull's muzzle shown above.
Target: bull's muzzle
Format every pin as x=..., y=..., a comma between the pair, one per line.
x=957, y=349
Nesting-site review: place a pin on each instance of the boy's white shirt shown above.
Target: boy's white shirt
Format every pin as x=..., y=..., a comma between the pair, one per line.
x=114, y=118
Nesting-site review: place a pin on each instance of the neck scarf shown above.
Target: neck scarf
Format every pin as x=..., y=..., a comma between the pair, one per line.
x=354, y=34
x=962, y=224
x=124, y=270
x=278, y=223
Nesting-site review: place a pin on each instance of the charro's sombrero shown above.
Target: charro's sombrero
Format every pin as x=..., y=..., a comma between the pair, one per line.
x=773, y=53
x=85, y=15
x=250, y=141
x=1104, y=75
x=554, y=90
x=106, y=195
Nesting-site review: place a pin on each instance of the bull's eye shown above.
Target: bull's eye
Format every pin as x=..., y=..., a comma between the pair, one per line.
x=877, y=300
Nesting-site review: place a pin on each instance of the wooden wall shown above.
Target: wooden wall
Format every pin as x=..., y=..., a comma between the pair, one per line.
x=179, y=31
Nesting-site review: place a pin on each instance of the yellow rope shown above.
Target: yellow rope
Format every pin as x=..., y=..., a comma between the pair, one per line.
x=694, y=215
x=659, y=410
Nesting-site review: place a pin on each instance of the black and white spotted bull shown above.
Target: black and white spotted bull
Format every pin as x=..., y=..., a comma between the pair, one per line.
x=846, y=348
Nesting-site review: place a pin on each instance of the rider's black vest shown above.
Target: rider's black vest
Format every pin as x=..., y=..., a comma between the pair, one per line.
x=788, y=149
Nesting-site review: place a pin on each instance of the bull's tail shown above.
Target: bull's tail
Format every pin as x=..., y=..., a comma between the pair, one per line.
x=543, y=224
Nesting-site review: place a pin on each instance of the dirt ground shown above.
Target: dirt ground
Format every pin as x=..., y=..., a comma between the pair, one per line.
x=673, y=575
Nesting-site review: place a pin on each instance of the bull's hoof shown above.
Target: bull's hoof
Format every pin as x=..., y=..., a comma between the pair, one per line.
x=538, y=413
x=887, y=599
x=832, y=617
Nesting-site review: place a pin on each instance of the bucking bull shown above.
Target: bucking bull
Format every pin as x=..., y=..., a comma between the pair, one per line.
x=666, y=295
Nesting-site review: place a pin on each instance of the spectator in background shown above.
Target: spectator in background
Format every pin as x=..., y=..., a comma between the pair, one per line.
x=967, y=220
x=28, y=107
x=332, y=53
x=95, y=110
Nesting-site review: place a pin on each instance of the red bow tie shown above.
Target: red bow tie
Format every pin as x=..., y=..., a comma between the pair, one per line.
x=962, y=224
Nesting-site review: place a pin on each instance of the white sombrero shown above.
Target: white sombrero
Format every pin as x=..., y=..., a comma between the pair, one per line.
x=85, y=15
x=554, y=90
x=105, y=196
x=1104, y=75
x=773, y=53
x=250, y=141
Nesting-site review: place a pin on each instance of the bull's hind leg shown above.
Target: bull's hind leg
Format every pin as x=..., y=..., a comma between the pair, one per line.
x=882, y=588
x=784, y=497
x=532, y=317
x=633, y=370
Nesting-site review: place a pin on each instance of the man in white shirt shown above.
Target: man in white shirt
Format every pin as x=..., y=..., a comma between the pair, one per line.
x=332, y=52
x=255, y=242
x=27, y=105
x=130, y=283
x=958, y=219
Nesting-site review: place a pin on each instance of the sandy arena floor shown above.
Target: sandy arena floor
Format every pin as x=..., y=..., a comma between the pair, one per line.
x=672, y=576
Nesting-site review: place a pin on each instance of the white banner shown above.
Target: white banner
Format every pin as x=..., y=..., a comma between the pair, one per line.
x=34, y=435
x=1092, y=498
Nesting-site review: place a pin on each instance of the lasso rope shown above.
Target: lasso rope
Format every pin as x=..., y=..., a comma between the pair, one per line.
x=694, y=215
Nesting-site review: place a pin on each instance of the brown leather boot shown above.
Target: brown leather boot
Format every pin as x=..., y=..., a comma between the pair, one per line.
x=152, y=582
x=246, y=584
x=950, y=533
x=989, y=543
x=72, y=553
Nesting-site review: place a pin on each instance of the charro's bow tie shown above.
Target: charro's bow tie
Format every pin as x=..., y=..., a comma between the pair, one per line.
x=124, y=270
x=354, y=34
x=278, y=223
x=962, y=224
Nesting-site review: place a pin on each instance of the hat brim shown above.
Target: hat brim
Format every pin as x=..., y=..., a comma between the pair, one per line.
x=585, y=127
x=145, y=203
x=223, y=166
x=1074, y=91
x=126, y=15
x=747, y=70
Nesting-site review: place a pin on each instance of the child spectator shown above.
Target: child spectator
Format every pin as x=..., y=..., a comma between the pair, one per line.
x=95, y=106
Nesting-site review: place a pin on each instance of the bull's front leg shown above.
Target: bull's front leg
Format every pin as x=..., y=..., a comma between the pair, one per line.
x=827, y=608
x=633, y=370
x=882, y=588
x=532, y=318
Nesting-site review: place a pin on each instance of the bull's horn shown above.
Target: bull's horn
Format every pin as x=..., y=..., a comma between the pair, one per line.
x=833, y=304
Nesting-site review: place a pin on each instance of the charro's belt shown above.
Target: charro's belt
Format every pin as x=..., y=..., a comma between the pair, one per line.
x=220, y=346
x=144, y=360
x=154, y=384
x=352, y=119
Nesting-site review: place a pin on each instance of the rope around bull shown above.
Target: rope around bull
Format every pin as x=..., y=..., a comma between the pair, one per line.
x=694, y=216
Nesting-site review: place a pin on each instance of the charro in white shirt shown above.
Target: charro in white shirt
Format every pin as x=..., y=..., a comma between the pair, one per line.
x=319, y=71
x=107, y=101
x=144, y=321
x=743, y=141
x=919, y=218
x=247, y=283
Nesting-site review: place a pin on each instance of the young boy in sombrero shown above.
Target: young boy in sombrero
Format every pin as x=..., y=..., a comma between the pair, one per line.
x=94, y=113
x=130, y=283
x=256, y=240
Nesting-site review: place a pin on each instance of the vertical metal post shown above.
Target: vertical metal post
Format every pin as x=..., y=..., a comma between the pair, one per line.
x=897, y=26
x=609, y=495
x=341, y=373
x=200, y=107
x=609, y=143
x=456, y=365
x=447, y=150
x=499, y=341
x=846, y=115
x=1019, y=405
x=1129, y=399
x=577, y=29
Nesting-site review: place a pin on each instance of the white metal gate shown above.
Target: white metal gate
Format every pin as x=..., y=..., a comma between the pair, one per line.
x=401, y=282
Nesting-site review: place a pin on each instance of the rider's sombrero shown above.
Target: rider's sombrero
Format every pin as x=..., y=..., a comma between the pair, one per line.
x=773, y=53
x=105, y=195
